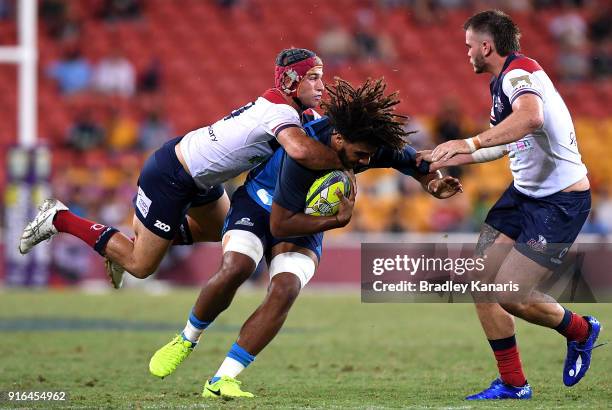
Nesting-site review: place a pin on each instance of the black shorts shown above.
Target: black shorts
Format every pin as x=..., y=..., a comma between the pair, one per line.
x=166, y=191
x=543, y=228
x=247, y=215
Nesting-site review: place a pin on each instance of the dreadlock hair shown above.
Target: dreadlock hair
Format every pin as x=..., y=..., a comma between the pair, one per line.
x=365, y=114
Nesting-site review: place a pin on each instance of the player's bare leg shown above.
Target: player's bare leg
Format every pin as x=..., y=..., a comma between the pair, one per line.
x=528, y=304
x=204, y=224
x=496, y=322
x=140, y=256
x=206, y=221
x=55, y=217
x=216, y=295
x=535, y=307
x=264, y=324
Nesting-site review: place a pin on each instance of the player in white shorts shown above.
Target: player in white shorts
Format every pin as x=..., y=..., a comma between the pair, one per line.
x=542, y=211
x=180, y=198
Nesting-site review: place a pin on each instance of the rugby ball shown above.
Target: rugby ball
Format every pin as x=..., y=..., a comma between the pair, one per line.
x=321, y=199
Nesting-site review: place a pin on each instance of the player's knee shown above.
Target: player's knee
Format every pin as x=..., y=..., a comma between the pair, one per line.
x=242, y=251
x=299, y=265
x=142, y=270
x=514, y=308
x=284, y=289
x=243, y=242
x=475, y=275
x=234, y=270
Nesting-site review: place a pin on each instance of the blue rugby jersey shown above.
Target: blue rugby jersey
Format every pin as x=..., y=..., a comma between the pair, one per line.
x=283, y=180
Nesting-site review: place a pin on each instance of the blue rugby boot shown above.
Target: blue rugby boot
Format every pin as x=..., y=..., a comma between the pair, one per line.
x=578, y=357
x=501, y=391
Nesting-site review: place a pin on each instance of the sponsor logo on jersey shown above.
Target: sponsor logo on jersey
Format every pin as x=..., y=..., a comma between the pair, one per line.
x=522, y=81
x=162, y=226
x=244, y=221
x=143, y=203
x=211, y=134
x=264, y=196
x=522, y=145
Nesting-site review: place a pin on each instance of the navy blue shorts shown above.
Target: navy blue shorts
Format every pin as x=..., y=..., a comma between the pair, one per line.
x=247, y=215
x=166, y=191
x=543, y=228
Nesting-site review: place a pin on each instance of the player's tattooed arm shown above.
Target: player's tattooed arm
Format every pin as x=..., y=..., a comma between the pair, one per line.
x=307, y=151
x=487, y=237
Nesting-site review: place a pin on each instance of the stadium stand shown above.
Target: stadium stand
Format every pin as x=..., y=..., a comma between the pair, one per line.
x=213, y=59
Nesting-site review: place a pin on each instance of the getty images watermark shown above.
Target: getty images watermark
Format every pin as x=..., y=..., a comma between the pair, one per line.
x=458, y=273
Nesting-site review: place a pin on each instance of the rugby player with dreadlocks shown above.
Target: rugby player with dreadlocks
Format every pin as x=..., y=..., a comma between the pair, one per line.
x=362, y=128
x=180, y=196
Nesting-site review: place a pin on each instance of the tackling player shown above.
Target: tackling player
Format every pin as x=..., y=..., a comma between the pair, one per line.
x=541, y=212
x=180, y=194
x=267, y=218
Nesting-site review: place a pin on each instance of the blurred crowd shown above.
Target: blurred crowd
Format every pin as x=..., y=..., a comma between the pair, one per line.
x=582, y=30
x=118, y=117
x=106, y=91
x=584, y=38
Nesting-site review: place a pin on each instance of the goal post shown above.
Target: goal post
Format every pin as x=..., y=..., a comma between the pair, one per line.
x=28, y=164
x=25, y=55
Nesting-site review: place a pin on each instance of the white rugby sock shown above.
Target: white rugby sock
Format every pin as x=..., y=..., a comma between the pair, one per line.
x=192, y=333
x=230, y=367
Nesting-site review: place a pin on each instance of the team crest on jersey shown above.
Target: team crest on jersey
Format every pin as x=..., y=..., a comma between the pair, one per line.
x=539, y=245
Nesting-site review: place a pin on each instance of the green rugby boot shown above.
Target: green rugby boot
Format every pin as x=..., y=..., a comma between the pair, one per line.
x=224, y=387
x=166, y=360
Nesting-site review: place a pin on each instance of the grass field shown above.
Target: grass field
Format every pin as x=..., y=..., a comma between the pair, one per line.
x=334, y=353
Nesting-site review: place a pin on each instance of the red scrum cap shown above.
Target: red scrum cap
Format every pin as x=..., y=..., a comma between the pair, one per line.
x=292, y=65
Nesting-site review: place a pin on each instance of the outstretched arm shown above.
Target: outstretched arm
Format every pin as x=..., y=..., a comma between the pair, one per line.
x=307, y=151
x=481, y=155
x=527, y=116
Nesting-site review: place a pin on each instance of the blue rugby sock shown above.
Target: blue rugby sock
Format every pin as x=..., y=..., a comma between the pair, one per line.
x=236, y=361
x=194, y=328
